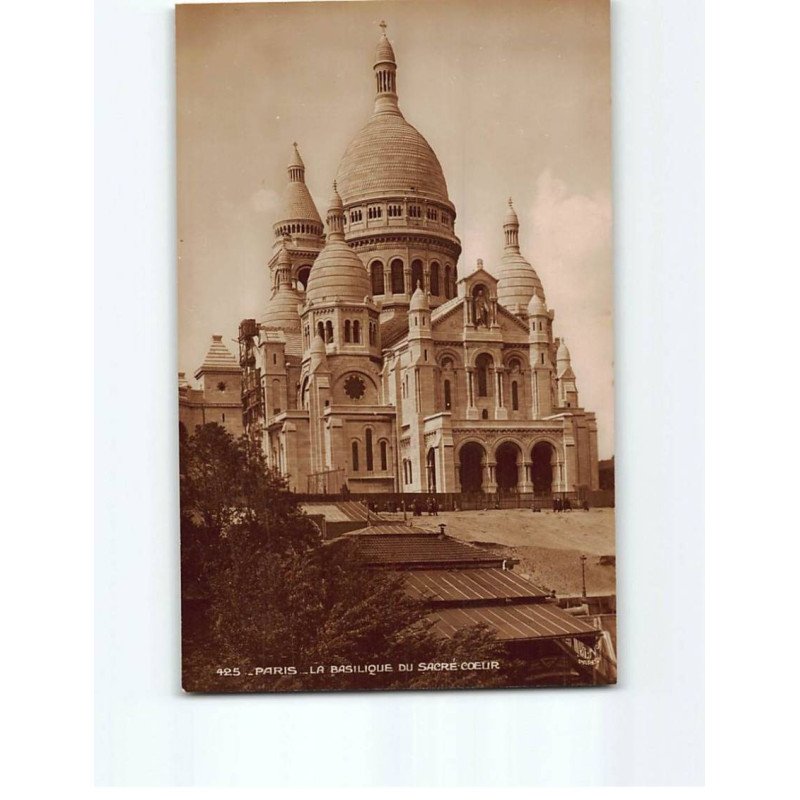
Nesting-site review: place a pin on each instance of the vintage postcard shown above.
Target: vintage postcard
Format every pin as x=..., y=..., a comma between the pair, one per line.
x=396, y=392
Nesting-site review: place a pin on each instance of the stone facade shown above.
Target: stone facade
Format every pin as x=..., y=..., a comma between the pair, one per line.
x=375, y=366
x=219, y=398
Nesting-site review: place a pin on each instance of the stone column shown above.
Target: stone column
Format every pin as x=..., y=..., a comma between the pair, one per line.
x=472, y=411
x=489, y=477
x=500, y=410
x=527, y=477
x=558, y=477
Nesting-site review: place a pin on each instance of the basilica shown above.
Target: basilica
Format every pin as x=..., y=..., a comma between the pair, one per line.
x=379, y=364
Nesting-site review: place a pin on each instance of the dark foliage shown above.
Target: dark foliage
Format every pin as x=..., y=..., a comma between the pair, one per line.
x=262, y=593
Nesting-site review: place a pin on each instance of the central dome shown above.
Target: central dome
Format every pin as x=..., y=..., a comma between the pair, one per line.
x=390, y=157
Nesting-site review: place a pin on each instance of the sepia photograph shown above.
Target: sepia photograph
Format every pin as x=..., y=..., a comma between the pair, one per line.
x=395, y=346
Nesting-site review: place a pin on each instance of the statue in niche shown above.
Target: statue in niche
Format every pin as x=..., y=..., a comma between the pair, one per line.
x=480, y=308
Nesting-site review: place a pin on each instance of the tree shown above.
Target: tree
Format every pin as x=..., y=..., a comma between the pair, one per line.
x=265, y=596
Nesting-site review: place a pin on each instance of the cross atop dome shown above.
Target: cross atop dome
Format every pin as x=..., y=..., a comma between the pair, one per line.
x=385, y=64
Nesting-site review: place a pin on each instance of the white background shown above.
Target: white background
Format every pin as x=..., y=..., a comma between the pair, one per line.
x=649, y=730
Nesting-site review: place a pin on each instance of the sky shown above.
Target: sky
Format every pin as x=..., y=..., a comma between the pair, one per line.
x=514, y=97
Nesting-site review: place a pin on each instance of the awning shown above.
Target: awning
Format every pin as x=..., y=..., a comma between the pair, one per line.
x=469, y=584
x=513, y=622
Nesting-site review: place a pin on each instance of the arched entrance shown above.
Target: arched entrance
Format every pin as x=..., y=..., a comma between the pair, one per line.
x=471, y=461
x=430, y=462
x=543, y=456
x=507, y=466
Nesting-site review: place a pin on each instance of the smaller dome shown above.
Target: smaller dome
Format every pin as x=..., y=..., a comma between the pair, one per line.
x=336, y=200
x=563, y=352
x=537, y=307
x=517, y=281
x=511, y=217
x=419, y=300
x=338, y=272
x=283, y=310
x=384, y=52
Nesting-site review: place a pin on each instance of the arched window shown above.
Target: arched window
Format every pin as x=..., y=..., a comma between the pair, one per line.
x=347, y=330
x=355, y=456
x=357, y=332
x=417, y=278
x=302, y=276
x=384, y=457
x=514, y=396
x=377, y=277
x=447, y=278
x=329, y=332
x=321, y=330
x=398, y=281
x=448, y=400
x=435, y=279
x=368, y=448
x=482, y=365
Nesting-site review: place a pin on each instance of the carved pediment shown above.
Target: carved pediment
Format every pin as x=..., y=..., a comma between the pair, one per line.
x=450, y=323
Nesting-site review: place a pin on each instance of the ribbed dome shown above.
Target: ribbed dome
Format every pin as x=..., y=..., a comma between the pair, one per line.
x=511, y=217
x=384, y=51
x=517, y=282
x=563, y=352
x=390, y=157
x=282, y=309
x=297, y=203
x=338, y=272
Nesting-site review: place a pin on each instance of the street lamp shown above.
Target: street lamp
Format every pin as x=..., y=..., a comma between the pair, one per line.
x=583, y=574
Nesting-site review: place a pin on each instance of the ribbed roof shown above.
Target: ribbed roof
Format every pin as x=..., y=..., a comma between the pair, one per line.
x=338, y=272
x=511, y=217
x=390, y=157
x=393, y=330
x=507, y=622
x=282, y=309
x=297, y=203
x=470, y=585
x=384, y=51
x=517, y=281
x=417, y=548
x=218, y=358
x=295, y=160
